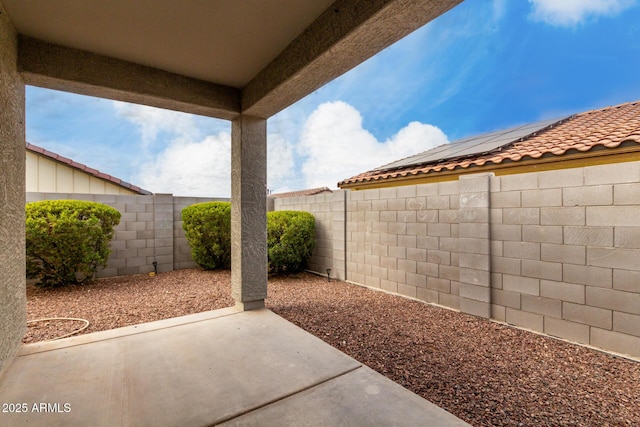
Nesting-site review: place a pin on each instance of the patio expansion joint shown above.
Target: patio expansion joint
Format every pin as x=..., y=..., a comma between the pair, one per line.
x=286, y=396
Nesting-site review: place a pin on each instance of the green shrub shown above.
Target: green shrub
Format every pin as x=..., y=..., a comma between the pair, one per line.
x=67, y=240
x=290, y=240
x=290, y=237
x=208, y=229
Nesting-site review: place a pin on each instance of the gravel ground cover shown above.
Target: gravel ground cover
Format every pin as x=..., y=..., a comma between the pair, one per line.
x=486, y=373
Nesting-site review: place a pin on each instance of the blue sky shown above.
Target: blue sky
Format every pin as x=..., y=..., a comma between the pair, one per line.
x=483, y=66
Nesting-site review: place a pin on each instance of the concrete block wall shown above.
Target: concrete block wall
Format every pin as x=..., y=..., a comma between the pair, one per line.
x=475, y=245
x=150, y=230
x=556, y=252
x=405, y=240
x=565, y=254
x=329, y=211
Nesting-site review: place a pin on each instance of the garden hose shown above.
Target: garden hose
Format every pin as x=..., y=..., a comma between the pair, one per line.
x=86, y=325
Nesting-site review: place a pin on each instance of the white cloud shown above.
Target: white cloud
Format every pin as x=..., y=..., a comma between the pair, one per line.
x=280, y=163
x=203, y=168
x=153, y=121
x=570, y=13
x=337, y=147
x=180, y=153
x=332, y=146
x=498, y=9
x=191, y=168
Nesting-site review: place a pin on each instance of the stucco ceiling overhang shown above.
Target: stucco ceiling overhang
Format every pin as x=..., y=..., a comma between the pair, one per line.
x=218, y=58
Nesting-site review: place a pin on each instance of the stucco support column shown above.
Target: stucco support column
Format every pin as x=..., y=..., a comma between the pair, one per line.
x=475, y=245
x=13, y=300
x=249, y=212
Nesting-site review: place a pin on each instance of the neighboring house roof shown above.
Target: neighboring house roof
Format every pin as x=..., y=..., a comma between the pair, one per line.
x=86, y=169
x=606, y=135
x=309, y=192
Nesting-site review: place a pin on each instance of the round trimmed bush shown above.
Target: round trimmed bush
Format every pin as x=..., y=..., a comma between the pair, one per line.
x=67, y=240
x=290, y=240
x=208, y=230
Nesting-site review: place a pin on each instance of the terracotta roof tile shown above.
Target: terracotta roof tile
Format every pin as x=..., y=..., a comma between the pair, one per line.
x=35, y=148
x=86, y=169
x=605, y=128
x=308, y=192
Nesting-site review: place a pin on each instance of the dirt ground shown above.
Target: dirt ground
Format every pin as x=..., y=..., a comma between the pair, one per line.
x=486, y=373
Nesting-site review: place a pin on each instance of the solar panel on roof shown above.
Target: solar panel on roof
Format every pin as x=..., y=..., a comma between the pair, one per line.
x=471, y=145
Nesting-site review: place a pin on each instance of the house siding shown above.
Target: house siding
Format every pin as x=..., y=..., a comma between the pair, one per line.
x=48, y=176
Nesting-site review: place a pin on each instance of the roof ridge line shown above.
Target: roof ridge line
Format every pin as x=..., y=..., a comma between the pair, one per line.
x=610, y=107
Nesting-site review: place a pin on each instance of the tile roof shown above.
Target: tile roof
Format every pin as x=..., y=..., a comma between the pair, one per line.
x=309, y=192
x=86, y=169
x=603, y=129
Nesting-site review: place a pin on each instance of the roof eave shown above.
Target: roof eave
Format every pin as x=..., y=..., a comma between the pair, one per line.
x=507, y=167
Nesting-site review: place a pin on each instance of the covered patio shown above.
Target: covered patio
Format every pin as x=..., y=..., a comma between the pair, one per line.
x=239, y=61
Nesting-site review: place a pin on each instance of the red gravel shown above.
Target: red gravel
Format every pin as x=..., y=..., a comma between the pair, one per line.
x=486, y=373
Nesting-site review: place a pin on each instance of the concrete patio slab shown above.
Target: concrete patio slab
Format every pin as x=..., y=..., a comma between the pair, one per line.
x=243, y=368
x=360, y=398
